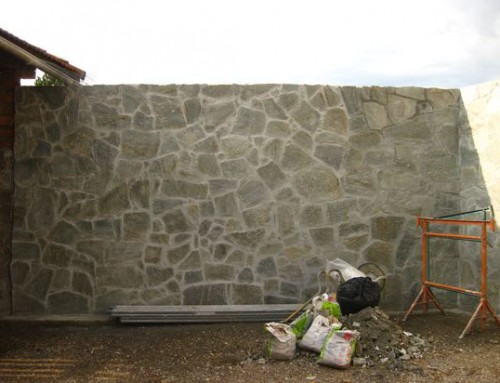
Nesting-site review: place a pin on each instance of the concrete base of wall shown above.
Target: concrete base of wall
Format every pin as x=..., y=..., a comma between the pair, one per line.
x=79, y=320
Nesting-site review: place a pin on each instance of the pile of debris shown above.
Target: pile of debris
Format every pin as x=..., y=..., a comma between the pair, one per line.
x=345, y=327
x=367, y=337
x=381, y=339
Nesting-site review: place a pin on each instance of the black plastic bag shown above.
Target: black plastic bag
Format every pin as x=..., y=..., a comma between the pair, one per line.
x=358, y=293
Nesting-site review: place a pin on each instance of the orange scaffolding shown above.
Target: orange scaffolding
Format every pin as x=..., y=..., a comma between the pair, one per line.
x=425, y=296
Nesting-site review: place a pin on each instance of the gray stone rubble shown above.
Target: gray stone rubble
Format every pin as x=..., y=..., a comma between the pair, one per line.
x=382, y=340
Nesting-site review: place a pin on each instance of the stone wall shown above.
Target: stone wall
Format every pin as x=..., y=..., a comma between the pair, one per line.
x=480, y=186
x=6, y=196
x=224, y=194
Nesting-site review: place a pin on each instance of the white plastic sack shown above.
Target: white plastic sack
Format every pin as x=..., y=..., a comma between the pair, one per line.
x=316, y=335
x=346, y=270
x=283, y=342
x=338, y=348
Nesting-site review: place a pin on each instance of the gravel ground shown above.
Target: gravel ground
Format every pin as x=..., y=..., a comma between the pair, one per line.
x=232, y=352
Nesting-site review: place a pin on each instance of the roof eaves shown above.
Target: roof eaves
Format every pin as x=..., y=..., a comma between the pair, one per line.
x=46, y=62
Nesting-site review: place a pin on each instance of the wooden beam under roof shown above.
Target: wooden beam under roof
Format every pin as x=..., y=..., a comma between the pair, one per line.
x=33, y=60
x=29, y=56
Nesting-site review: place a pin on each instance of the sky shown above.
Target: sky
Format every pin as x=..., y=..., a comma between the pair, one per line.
x=435, y=43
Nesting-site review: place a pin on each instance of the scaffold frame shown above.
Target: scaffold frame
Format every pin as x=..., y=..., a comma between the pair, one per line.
x=426, y=296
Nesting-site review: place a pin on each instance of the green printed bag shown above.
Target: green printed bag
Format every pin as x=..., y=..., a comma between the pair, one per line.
x=301, y=324
x=333, y=309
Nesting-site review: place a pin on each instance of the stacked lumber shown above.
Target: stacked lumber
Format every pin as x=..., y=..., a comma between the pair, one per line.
x=202, y=313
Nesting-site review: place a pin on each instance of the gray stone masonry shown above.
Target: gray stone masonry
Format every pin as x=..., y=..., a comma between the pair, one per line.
x=225, y=194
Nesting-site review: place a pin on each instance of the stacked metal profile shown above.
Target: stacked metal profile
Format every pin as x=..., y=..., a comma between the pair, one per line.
x=202, y=313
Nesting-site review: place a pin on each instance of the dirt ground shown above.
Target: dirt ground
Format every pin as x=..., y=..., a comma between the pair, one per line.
x=229, y=353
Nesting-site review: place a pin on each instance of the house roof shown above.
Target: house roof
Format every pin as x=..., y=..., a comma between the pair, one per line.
x=33, y=56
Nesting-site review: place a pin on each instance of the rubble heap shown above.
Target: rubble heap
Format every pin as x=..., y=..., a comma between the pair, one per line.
x=382, y=340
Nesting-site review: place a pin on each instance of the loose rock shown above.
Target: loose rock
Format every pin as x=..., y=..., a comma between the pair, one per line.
x=382, y=339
